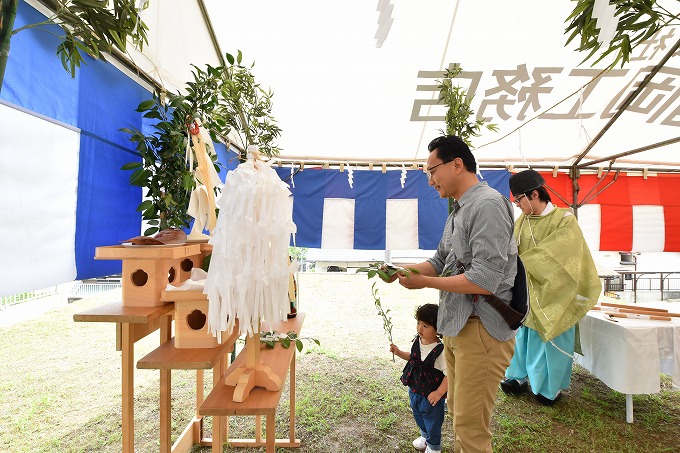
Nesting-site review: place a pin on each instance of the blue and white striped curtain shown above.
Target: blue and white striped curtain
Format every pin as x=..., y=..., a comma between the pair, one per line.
x=375, y=213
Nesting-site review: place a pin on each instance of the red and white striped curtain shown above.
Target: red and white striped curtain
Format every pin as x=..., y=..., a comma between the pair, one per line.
x=635, y=213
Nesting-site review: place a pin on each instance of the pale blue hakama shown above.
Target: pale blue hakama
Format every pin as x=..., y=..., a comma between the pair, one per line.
x=548, y=368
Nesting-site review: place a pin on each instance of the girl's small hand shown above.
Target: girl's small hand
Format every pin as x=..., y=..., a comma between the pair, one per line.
x=394, y=349
x=433, y=398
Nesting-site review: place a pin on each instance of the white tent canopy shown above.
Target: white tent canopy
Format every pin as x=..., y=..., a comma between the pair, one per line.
x=339, y=97
x=342, y=97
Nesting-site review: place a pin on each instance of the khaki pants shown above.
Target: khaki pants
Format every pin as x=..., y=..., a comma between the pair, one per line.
x=475, y=365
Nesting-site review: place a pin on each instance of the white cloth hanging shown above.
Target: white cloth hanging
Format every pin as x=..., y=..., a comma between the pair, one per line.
x=248, y=274
x=202, y=201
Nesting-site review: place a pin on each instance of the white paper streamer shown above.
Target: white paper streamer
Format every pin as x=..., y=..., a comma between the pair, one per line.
x=350, y=176
x=202, y=200
x=248, y=274
x=402, y=179
x=606, y=21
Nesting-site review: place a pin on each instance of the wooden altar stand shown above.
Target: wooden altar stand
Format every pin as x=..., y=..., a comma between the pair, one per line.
x=260, y=401
x=167, y=358
x=132, y=324
x=146, y=271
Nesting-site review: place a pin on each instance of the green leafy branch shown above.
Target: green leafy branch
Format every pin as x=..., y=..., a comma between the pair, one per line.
x=229, y=103
x=163, y=171
x=385, y=271
x=246, y=108
x=272, y=337
x=92, y=27
x=637, y=22
x=387, y=320
x=459, y=112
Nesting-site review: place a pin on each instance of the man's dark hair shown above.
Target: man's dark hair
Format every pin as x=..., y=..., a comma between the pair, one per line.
x=428, y=314
x=543, y=194
x=449, y=147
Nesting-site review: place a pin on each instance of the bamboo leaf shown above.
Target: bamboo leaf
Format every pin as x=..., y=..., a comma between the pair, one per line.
x=146, y=105
x=131, y=166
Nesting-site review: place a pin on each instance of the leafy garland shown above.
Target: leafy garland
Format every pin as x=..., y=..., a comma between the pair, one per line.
x=385, y=271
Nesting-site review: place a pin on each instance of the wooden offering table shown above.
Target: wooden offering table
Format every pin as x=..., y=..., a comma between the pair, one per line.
x=219, y=402
x=132, y=324
x=147, y=270
x=167, y=358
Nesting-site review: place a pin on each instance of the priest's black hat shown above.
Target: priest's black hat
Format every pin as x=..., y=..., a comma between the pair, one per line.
x=524, y=181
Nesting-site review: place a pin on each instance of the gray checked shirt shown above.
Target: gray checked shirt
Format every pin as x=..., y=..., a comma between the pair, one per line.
x=477, y=233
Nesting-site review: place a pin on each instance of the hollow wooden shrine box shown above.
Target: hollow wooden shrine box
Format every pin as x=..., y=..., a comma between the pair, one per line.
x=191, y=319
x=147, y=270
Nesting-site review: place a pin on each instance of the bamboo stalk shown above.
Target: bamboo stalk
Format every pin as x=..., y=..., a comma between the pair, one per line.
x=645, y=311
x=638, y=316
x=639, y=311
x=610, y=304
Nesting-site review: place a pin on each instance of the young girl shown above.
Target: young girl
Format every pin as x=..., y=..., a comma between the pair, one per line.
x=425, y=375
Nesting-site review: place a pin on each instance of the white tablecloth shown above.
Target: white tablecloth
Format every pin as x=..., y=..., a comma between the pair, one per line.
x=629, y=355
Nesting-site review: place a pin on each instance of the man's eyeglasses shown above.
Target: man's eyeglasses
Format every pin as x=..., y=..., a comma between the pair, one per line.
x=519, y=198
x=428, y=172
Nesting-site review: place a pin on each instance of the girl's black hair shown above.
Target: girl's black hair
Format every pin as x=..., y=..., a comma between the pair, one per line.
x=428, y=314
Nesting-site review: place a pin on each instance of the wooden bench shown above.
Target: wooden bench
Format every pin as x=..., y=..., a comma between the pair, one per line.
x=132, y=324
x=167, y=358
x=220, y=404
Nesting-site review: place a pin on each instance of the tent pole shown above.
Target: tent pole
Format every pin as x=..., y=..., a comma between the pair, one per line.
x=588, y=196
x=211, y=31
x=613, y=157
x=564, y=200
x=575, y=173
x=629, y=100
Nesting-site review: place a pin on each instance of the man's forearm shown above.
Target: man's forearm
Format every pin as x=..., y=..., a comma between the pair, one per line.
x=456, y=284
x=425, y=268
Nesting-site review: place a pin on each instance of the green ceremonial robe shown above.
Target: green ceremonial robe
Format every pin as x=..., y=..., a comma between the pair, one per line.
x=561, y=274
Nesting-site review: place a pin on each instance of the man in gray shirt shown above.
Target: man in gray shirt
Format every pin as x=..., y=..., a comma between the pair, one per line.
x=477, y=256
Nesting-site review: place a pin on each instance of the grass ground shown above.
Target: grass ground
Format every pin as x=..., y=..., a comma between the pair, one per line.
x=60, y=388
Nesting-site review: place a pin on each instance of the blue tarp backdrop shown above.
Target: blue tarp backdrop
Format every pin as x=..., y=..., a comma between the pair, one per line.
x=101, y=99
x=370, y=190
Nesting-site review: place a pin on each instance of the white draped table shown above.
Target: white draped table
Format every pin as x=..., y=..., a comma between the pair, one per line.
x=629, y=355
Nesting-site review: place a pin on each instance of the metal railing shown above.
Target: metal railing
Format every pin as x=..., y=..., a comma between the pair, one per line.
x=72, y=291
x=666, y=283
x=6, y=301
x=85, y=289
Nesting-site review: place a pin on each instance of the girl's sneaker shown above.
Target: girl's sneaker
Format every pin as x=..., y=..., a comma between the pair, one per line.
x=429, y=450
x=420, y=444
